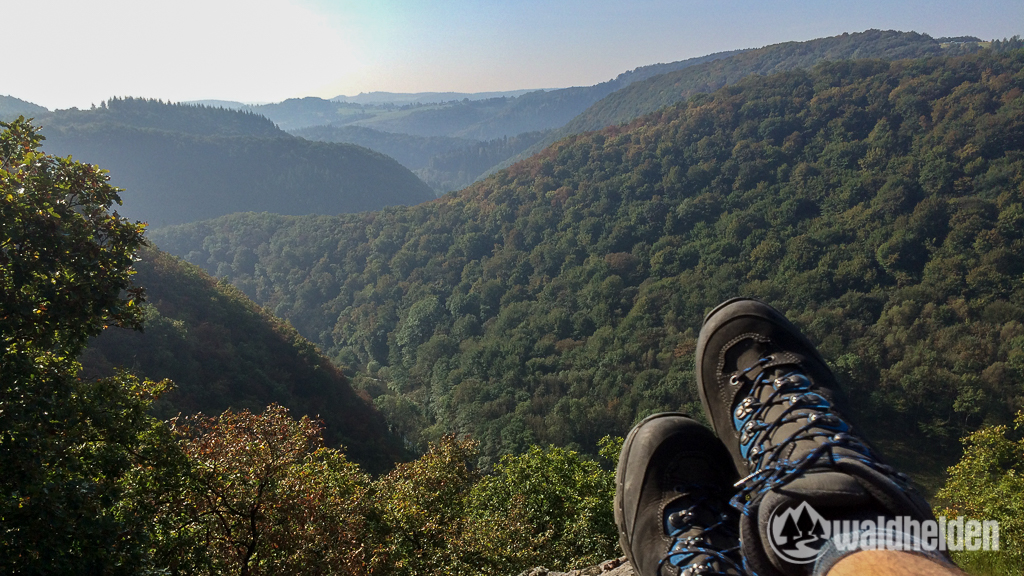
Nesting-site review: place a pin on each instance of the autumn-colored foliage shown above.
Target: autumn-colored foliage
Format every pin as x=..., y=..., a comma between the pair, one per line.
x=266, y=498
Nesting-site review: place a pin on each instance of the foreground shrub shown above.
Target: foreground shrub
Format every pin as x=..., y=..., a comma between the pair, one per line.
x=988, y=484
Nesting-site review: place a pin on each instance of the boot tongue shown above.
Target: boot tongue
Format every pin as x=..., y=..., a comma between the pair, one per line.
x=795, y=520
x=748, y=353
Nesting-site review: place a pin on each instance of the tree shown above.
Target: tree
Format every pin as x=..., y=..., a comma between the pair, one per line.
x=988, y=484
x=789, y=530
x=67, y=445
x=417, y=513
x=266, y=498
x=548, y=506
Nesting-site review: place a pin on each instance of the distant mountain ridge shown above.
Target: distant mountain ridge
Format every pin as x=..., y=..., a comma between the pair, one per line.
x=181, y=163
x=675, y=86
x=11, y=108
x=143, y=113
x=428, y=97
x=480, y=116
x=657, y=91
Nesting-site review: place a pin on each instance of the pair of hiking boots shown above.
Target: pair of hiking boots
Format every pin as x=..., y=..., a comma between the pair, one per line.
x=762, y=496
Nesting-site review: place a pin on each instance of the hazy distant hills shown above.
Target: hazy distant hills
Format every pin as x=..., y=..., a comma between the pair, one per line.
x=410, y=150
x=657, y=91
x=452, y=139
x=490, y=121
x=223, y=351
x=425, y=97
x=460, y=167
x=442, y=162
x=573, y=110
x=481, y=116
x=11, y=108
x=181, y=163
x=878, y=203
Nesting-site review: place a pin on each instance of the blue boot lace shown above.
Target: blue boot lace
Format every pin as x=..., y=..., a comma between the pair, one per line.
x=770, y=468
x=694, y=553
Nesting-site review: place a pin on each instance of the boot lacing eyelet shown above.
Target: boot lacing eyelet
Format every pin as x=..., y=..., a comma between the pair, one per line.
x=767, y=456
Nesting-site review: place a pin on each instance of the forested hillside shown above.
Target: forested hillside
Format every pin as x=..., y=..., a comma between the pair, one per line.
x=666, y=89
x=421, y=126
x=442, y=162
x=182, y=163
x=222, y=351
x=413, y=152
x=11, y=108
x=879, y=204
x=460, y=167
x=144, y=113
x=672, y=87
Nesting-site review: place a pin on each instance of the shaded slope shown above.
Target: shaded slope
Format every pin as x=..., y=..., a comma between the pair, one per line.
x=879, y=204
x=223, y=351
x=185, y=163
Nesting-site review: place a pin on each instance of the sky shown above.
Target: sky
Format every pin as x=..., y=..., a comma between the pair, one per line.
x=81, y=52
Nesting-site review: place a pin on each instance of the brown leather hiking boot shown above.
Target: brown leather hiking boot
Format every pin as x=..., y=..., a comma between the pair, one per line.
x=672, y=491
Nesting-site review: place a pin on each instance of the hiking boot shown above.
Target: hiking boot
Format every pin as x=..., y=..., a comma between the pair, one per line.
x=672, y=490
x=770, y=397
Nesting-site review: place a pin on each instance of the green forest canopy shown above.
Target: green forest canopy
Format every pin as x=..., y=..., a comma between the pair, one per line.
x=224, y=352
x=879, y=204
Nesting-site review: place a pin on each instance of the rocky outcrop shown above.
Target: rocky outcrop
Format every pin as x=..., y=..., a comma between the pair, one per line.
x=616, y=567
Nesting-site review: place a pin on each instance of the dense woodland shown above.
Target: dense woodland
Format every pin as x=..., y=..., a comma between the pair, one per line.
x=675, y=86
x=565, y=111
x=879, y=204
x=222, y=351
x=183, y=163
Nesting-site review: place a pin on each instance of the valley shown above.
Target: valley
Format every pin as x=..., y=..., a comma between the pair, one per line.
x=407, y=333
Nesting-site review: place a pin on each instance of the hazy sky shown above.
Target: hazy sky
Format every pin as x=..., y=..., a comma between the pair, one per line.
x=62, y=53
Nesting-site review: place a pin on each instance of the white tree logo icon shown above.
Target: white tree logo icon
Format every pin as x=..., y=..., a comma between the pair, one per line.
x=796, y=534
